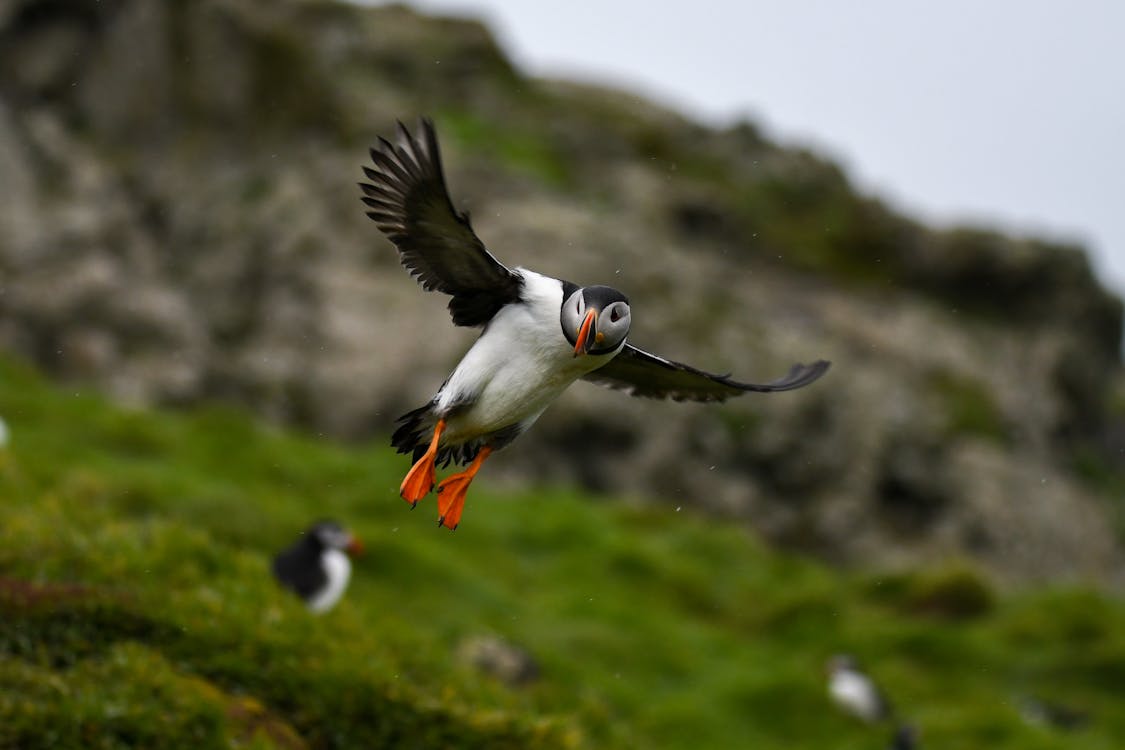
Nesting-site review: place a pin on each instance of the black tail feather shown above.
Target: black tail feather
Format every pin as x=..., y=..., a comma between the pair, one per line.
x=416, y=429
x=413, y=432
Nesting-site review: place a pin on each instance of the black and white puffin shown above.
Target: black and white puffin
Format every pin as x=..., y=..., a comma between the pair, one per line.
x=316, y=567
x=854, y=691
x=540, y=333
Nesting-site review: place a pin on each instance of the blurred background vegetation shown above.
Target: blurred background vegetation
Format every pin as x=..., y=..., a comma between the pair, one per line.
x=203, y=351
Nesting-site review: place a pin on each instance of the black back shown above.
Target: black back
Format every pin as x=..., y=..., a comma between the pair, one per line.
x=298, y=567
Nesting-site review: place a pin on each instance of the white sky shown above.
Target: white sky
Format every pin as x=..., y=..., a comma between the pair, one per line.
x=1010, y=112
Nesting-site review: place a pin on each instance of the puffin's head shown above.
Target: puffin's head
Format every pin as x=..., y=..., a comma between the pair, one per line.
x=841, y=663
x=596, y=320
x=331, y=535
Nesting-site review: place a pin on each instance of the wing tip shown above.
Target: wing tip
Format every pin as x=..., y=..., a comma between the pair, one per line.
x=800, y=375
x=415, y=157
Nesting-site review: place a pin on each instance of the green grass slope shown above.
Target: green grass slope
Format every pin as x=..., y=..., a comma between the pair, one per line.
x=137, y=610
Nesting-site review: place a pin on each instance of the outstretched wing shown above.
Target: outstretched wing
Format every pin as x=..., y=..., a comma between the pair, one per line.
x=639, y=373
x=408, y=200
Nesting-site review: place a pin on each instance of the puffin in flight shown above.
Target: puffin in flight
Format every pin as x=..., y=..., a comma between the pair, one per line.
x=540, y=333
x=316, y=567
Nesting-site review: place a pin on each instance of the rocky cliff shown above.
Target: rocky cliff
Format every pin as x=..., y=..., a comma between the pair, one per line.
x=180, y=222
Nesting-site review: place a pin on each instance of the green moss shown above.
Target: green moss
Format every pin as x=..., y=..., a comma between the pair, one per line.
x=968, y=407
x=953, y=592
x=131, y=698
x=518, y=149
x=135, y=597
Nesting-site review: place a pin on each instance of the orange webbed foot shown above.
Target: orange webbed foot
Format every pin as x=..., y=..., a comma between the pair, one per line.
x=422, y=475
x=451, y=500
x=419, y=480
x=452, y=491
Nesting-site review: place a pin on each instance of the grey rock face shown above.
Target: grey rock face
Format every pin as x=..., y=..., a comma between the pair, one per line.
x=180, y=222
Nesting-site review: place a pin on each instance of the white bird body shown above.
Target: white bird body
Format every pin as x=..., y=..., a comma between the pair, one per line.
x=338, y=570
x=518, y=366
x=857, y=694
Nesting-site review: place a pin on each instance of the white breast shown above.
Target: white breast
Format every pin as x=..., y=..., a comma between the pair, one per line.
x=855, y=693
x=518, y=366
x=338, y=568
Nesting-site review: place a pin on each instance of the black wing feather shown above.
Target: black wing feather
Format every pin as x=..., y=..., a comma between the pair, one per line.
x=642, y=374
x=408, y=200
x=298, y=569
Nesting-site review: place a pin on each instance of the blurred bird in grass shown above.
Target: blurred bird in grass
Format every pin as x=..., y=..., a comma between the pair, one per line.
x=317, y=566
x=854, y=691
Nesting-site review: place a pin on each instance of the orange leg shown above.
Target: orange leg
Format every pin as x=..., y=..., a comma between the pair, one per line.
x=420, y=479
x=451, y=491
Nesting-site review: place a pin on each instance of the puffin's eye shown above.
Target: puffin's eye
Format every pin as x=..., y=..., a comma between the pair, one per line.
x=615, y=314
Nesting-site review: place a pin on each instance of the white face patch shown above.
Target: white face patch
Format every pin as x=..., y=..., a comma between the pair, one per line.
x=333, y=537
x=613, y=325
x=573, y=313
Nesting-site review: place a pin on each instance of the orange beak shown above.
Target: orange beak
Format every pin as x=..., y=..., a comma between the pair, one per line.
x=585, y=339
x=355, y=547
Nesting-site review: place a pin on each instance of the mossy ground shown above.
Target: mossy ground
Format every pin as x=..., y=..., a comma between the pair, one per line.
x=137, y=610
